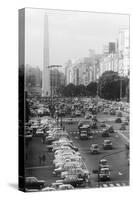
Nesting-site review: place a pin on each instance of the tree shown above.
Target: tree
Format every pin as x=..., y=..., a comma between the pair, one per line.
x=91, y=89
x=69, y=90
x=109, y=85
x=61, y=90
x=80, y=90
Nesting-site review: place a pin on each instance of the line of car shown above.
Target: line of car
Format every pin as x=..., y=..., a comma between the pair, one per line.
x=68, y=163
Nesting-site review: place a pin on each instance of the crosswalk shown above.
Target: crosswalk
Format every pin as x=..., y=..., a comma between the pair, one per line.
x=110, y=184
x=76, y=132
x=73, y=132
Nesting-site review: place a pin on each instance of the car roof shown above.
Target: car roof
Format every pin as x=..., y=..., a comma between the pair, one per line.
x=94, y=144
x=30, y=177
x=107, y=140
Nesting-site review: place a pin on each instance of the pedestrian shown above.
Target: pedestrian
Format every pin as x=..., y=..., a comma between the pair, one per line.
x=40, y=159
x=43, y=138
x=43, y=158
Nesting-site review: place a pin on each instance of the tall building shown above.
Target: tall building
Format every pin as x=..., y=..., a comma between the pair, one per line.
x=123, y=49
x=46, y=70
x=57, y=80
x=116, y=58
x=33, y=76
x=110, y=59
x=109, y=48
x=84, y=70
x=109, y=63
x=112, y=47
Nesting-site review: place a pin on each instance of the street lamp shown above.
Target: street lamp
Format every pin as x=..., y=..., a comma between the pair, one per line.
x=120, y=58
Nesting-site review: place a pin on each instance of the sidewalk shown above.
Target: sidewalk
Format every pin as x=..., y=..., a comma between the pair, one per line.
x=35, y=149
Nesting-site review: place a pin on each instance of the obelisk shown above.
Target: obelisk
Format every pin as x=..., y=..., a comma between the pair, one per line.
x=46, y=70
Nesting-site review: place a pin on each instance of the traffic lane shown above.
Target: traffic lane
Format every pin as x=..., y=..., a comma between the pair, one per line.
x=117, y=159
x=118, y=163
x=109, y=119
x=117, y=140
x=120, y=169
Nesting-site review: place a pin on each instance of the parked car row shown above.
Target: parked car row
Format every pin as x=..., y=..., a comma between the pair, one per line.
x=68, y=163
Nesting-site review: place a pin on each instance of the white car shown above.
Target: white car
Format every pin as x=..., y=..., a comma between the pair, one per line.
x=68, y=160
x=76, y=171
x=66, y=187
x=49, y=189
x=94, y=149
x=68, y=166
x=56, y=185
x=64, y=150
x=39, y=132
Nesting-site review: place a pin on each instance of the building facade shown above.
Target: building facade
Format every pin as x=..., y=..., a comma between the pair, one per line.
x=109, y=63
x=124, y=54
x=82, y=71
x=116, y=55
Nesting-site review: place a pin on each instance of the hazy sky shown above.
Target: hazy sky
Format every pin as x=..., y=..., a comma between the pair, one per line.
x=71, y=34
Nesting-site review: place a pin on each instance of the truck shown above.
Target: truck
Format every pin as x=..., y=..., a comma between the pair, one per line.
x=84, y=132
x=104, y=174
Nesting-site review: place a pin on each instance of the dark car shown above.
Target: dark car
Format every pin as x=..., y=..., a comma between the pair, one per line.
x=127, y=146
x=94, y=149
x=107, y=145
x=103, y=125
x=123, y=126
x=112, y=112
x=34, y=183
x=105, y=133
x=104, y=174
x=118, y=120
x=93, y=125
x=102, y=163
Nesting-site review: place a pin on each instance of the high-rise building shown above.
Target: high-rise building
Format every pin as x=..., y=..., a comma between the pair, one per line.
x=109, y=48
x=112, y=47
x=123, y=50
x=46, y=70
x=84, y=70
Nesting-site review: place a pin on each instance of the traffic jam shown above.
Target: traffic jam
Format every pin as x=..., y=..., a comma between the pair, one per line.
x=76, y=143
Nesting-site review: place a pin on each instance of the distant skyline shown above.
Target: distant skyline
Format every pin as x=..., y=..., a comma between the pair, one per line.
x=71, y=34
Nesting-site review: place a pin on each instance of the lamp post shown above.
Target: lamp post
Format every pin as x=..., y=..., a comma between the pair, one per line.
x=120, y=59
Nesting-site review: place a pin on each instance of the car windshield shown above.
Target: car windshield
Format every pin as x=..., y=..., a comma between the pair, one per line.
x=32, y=179
x=108, y=142
x=95, y=146
x=84, y=132
x=104, y=171
x=103, y=162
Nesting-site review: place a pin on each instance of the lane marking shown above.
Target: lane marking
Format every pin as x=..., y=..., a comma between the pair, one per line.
x=124, y=184
x=117, y=184
x=120, y=174
x=111, y=185
x=105, y=185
